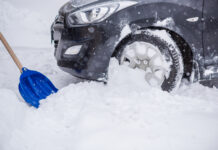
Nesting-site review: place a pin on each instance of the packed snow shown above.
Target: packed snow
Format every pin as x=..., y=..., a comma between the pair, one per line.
x=124, y=114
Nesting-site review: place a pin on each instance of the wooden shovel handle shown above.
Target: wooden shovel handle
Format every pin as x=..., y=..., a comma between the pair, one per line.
x=11, y=52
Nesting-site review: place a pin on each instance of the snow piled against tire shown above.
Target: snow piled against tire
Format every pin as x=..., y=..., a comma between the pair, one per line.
x=125, y=114
x=165, y=36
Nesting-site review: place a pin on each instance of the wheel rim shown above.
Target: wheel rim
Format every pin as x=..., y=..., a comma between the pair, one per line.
x=147, y=57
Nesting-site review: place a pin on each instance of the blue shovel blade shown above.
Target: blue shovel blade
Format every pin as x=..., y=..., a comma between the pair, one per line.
x=34, y=87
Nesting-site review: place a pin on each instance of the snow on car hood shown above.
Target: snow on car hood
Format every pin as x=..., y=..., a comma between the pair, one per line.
x=190, y=3
x=78, y=3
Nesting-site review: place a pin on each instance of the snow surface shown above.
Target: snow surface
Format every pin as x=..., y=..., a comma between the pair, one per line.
x=125, y=114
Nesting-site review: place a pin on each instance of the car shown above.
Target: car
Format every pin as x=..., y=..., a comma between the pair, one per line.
x=169, y=40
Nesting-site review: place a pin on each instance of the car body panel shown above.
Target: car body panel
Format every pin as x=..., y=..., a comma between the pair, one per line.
x=211, y=32
x=99, y=40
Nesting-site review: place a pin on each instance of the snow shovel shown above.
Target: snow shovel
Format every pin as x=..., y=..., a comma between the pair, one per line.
x=33, y=85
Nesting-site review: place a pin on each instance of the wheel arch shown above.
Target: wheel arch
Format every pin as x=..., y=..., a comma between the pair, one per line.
x=182, y=20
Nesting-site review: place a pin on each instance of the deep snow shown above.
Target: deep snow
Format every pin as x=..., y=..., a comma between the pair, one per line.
x=125, y=114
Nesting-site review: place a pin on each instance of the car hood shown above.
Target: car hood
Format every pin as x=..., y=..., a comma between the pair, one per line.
x=76, y=4
x=72, y=5
x=80, y=3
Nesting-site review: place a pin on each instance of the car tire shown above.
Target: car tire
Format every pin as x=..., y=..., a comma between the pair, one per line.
x=161, y=43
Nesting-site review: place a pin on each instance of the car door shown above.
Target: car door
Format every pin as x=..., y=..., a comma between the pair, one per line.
x=210, y=33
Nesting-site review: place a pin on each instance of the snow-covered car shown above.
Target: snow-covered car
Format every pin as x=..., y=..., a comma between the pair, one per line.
x=169, y=40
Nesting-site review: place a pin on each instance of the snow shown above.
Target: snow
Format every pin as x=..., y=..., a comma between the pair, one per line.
x=168, y=22
x=125, y=32
x=125, y=114
x=31, y=26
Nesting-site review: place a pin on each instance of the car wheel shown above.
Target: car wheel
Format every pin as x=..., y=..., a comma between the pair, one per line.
x=154, y=52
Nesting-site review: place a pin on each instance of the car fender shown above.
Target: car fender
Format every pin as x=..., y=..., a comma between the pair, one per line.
x=188, y=25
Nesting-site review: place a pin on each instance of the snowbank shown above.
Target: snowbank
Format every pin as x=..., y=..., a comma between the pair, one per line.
x=125, y=114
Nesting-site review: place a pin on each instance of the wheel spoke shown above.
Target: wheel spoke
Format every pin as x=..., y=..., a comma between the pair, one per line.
x=141, y=51
x=153, y=80
x=156, y=64
x=160, y=76
x=151, y=52
x=156, y=60
x=159, y=72
x=155, y=68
